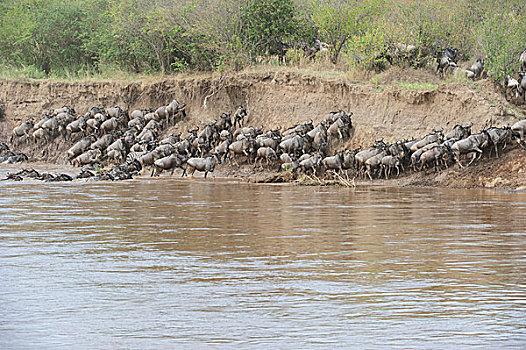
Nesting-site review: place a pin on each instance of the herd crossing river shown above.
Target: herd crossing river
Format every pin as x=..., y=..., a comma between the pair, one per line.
x=168, y=263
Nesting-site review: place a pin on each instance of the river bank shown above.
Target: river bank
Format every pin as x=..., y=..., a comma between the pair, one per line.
x=400, y=104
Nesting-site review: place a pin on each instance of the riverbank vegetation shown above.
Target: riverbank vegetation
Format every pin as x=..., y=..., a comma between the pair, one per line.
x=109, y=38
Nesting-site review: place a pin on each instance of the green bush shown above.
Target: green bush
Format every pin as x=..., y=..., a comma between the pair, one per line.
x=79, y=38
x=502, y=38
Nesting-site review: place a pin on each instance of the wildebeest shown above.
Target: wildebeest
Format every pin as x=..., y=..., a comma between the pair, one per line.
x=243, y=147
x=89, y=157
x=109, y=125
x=446, y=59
x=266, y=153
x=239, y=115
x=170, y=162
x=499, y=136
x=388, y=163
x=459, y=132
x=22, y=130
x=472, y=144
x=103, y=142
x=477, y=68
x=296, y=145
x=373, y=163
x=362, y=156
x=80, y=147
x=341, y=127
x=333, y=163
x=519, y=129
x=201, y=164
x=76, y=126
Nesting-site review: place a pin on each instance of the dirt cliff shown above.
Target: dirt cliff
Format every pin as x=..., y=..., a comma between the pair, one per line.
x=385, y=110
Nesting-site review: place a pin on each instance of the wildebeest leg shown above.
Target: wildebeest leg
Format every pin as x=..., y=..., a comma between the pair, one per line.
x=206, y=173
x=368, y=173
x=475, y=154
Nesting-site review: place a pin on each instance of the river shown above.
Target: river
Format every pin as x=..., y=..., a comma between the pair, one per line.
x=168, y=263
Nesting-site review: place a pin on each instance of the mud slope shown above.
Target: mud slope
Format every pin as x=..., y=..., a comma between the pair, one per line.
x=282, y=99
x=273, y=99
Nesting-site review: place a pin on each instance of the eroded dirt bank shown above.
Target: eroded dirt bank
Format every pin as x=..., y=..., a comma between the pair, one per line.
x=284, y=99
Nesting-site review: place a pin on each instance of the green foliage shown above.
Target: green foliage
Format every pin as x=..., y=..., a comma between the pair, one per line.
x=418, y=86
x=268, y=23
x=502, y=38
x=79, y=38
x=368, y=50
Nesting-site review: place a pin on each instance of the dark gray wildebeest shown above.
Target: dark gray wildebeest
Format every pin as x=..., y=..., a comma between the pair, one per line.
x=473, y=144
x=222, y=148
x=246, y=131
x=400, y=150
x=297, y=145
x=476, y=69
x=103, y=142
x=299, y=129
x=173, y=109
x=137, y=123
x=65, y=109
x=311, y=163
x=266, y=153
x=446, y=59
x=459, y=132
x=436, y=137
x=47, y=116
x=415, y=156
x=388, y=163
x=498, y=137
x=225, y=122
x=519, y=129
x=372, y=164
x=170, y=162
x=341, y=127
x=39, y=135
x=266, y=141
x=201, y=164
x=52, y=126
x=116, y=112
x=22, y=130
x=285, y=158
x=89, y=157
x=242, y=147
x=76, y=126
x=435, y=156
x=109, y=125
x=522, y=85
x=239, y=115
x=361, y=157
x=522, y=60
x=80, y=147
x=333, y=163
x=512, y=88
x=172, y=139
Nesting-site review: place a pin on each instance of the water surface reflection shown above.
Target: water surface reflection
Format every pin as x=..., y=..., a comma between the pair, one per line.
x=158, y=263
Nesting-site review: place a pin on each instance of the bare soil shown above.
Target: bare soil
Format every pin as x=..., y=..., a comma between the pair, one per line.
x=383, y=110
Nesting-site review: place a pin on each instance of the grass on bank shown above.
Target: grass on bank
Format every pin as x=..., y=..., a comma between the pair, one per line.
x=417, y=86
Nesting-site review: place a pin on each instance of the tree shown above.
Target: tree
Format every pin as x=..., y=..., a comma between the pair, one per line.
x=268, y=24
x=338, y=21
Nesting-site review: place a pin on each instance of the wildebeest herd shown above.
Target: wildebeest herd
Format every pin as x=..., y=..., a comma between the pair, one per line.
x=127, y=143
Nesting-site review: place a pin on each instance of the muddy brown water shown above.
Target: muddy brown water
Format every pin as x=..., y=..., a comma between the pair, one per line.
x=169, y=263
